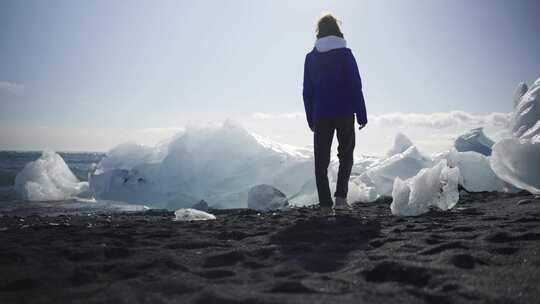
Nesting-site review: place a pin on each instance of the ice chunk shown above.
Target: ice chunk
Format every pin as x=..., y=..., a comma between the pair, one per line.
x=476, y=174
x=307, y=195
x=218, y=164
x=48, y=178
x=266, y=197
x=403, y=165
x=401, y=144
x=475, y=140
x=192, y=215
x=517, y=161
x=436, y=186
x=361, y=189
x=360, y=192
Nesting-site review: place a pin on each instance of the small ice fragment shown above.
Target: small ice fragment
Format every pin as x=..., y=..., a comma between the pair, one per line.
x=265, y=197
x=188, y=214
x=436, y=186
x=475, y=140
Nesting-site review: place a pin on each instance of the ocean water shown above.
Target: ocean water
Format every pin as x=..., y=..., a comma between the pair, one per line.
x=12, y=162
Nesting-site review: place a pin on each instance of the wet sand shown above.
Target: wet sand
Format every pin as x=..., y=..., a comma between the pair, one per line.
x=486, y=250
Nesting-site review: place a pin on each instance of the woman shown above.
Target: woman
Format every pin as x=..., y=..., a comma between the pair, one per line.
x=332, y=96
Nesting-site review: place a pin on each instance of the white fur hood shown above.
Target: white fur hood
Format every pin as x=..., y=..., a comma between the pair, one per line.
x=329, y=43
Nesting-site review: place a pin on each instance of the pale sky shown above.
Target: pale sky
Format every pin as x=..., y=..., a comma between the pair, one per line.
x=87, y=75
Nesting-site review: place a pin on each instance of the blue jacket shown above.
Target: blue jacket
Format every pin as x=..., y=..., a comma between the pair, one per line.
x=332, y=86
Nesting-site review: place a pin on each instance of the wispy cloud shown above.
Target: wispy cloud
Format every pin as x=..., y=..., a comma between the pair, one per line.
x=11, y=87
x=439, y=120
x=442, y=120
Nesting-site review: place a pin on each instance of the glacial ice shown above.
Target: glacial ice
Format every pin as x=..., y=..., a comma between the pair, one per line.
x=516, y=159
x=436, y=186
x=475, y=140
x=218, y=164
x=403, y=165
x=189, y=214
x=520, y=90
x=265, y=197
x=524, y=121
x=48, y=178
x=476, y=174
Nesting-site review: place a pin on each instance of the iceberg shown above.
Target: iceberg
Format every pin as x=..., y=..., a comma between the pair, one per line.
x=475, y=140
x=218, y=164
x=516, y=159
x=436, y=186
x=192, y=215
x=266, y=197
x=48, y=178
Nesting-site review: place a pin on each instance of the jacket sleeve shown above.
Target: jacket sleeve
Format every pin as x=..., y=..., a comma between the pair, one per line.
x=355, y=82
x=307, y=93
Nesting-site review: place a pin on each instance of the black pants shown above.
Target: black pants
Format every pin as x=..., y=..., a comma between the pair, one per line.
x=323, y=136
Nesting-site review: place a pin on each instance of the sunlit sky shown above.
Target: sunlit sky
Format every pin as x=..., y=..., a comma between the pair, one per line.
x=87, y=75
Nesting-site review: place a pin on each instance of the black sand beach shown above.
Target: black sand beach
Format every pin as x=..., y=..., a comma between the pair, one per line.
x=486, y=250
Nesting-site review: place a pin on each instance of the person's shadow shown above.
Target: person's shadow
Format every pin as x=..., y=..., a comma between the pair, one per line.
x=321, y=244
